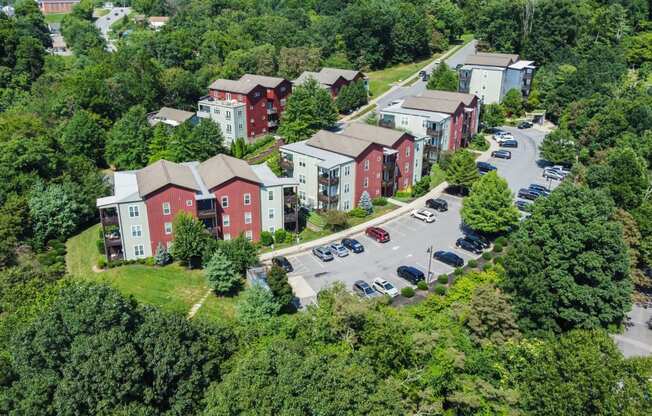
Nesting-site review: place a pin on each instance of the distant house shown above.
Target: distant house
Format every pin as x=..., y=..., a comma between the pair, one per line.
x=491, y=75
x=170, y=116
x=157, y=22
x=332, y=79
x=9, y=11
x=59, y=46
x=56, y=6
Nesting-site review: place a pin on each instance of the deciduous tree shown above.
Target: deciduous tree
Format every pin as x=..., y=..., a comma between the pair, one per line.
x=490, y=208
x=221, y=275
x=461, y=171
x=277, y=279
x=308, y=109
x=256, y=304
x=128, y=140
x=559, y=147
x=443, y=78
x=190, y=239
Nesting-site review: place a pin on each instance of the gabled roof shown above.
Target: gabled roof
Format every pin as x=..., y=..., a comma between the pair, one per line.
x=430, y=104
x=158, y=19
x=172, y=114
x=222, y=168
x=502, y=60
x=374, y=134
x=162, y=173
x=467, y=99
x=229, y=85
x=327, y=76
x=347, y=74
x=339, y=143
x=267, y=82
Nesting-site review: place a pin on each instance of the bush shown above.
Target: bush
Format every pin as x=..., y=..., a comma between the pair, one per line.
x=499, y=260
x=486, y=255
x=459, y=271
x=473, y=263
x=498, y=248
x=501, y=241
x=486, y=267
x=100, y=246
x=408, y=292
x=150, y=261
x=437, y=175
x=101, y=263
x=478, y=142
x=443, y=279
x=440, y=290
x=422, y=285
x=281, y=236
x=403, y=194
x=266, y=238
x=358, y=213
x=421, y=187
x=290, y=237
x=379, y=202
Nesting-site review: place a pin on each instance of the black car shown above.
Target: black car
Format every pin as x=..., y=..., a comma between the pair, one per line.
x=485, y=167
x=449, y=258
x=353, y=245
x=539, y=188
x=523, y=205
x=509, y=143
x=439, y=204
x=283, y=263
x=411, y=274
x=524, y=125
x=501, y=154
x=468, y=245
x=528, y=194
x=477, y=239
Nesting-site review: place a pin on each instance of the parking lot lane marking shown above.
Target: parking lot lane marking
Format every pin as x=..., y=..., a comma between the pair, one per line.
x=408, y=256
x=422, y=266
x=396, y=248
x=319, y=262
x=374, y=242
x=410, y=227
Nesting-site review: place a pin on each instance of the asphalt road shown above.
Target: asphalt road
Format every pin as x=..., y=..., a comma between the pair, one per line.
x=419, y=86
x=105, y=22
x=410, y=238
x=637, y=339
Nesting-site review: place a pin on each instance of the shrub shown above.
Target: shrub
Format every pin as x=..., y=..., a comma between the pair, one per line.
x=440, y=290
x=502, y=240
x=473, y=263
x=498, y=248
x=290, y=237
x=220, y=274
x=486, y=255
x=443, y=279
x=421, y=187
x=100, y=246
x=358, y=213
x=379, y=202
x=150, y=261
x=335, y=219
x=266, y=238
x=408, y=292
x=486, y=267
x=281, y=236
x=422, y=285
x=499, y=260
x=437, y=175
x=101, y=263
x=162, y=257
x=403, y=194
x=458, y=271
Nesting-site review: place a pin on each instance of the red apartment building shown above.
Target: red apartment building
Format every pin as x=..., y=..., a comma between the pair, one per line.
x=465, y=120
x=333, y=79
x=264, y=97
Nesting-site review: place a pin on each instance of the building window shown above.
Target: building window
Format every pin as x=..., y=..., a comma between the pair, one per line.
x=407, y=167
x=347, y=170
x=226, y=221
x=283, y=102
x=404, y=121
x=136, y=231
x=240, y=126
x=365, y=183
x=346, y=205
x=249, y=235
x=228, y=128
x=271, y=230
x=270, y=195
x=216, y=110
x=227, y=96
x=407, y=151
x=271, y=213
x=204, y=108
x=302, y=163
x=302, y=179
x=257, y=94
x=247, y=199
x=168, y=228
x=166, y=208
x=139, y=250
x=346, y=188
x=225, y=202
x=228, y=115
x=227, y=237
x=405, y=183
x=366, y=164
x=247, y=217
x=302, y=195
x=133, y=211
x=188, y=202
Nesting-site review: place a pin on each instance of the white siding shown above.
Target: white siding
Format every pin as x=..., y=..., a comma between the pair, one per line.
x=487, y=84
x=276, y=204
x=231, y=117
x=418, y=158
x=129, y=241
x=346, y=198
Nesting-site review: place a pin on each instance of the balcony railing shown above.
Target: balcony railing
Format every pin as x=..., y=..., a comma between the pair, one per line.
x=290, y=199
x=214, y=231
x=271, y=110
x=286, y=164
x=328, y=180
x=435, y=134
x=327, y=199
x=272, y=123
x=386, y=123
x=109, y=219
x=206, y=212
x=112, y=240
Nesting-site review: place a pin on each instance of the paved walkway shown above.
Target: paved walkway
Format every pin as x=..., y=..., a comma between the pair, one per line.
x=396, y=202
x=195, y=308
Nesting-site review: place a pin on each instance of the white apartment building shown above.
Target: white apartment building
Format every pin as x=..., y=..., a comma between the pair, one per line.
x=326, y=180
x=491, y=75
x=277, y=199
x=230, y=115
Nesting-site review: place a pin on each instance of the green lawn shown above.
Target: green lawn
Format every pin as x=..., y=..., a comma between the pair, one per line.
x=173, y=288
x=379, y=81
x=54, y=17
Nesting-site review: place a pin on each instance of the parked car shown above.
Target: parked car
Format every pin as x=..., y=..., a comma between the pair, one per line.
x=501, y=154
x=423, y=215
x=552, y=174
x=478, y=239
x=363, y=289
x=339, y=250
x=525, y=193
x=537, y=187
x=411, y=274
x=283, y=263
x=508, y=143
x=468, y=245
x=559, y=168
x=523, y=205
x=485, y=167
x=502, y=136
x=439, y=204
x=384, y=287
x=353, y=245
x=524, y=125
x=377, y=234
x=323, y=253
x=539, y=193
x=449, y=258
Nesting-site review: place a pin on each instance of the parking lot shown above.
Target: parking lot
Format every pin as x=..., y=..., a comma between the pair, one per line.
x=411, y=238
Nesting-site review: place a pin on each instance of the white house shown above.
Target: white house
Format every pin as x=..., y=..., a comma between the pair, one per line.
x=230, y=115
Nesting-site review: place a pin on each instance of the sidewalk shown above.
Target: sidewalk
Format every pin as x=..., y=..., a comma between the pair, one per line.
x=417, y=203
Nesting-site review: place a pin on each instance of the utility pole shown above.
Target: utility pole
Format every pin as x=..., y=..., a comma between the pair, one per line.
x=429, y=251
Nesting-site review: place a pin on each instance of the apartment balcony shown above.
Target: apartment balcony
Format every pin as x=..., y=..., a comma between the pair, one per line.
x=206, y=212
x=272, y=123
x=290, y=215
x=286, y=164
x=290, y=199
x=327, y=199
x=109, y=219
x=214, y=231
x=271, y=110
x=112, y=240
x=328, y=180
x=386, y=123
x=434, y=133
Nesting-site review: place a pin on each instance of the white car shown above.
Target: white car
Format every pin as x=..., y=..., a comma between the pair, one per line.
x=423, y=215
x=553, y=174
x=384, y=287
x=558, y=168
x=503, y=137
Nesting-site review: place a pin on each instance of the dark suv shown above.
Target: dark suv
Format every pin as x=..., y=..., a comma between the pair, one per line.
x=411, y=274
x=353, y=245
x=477, y=239
x=449, y=258
x=469, y=245
x=283, y=263
x=439, y=204
x=377, y=234
x=485, y=167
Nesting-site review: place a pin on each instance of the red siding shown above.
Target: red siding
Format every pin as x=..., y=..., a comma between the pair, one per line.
x=177, y=198
x=374, y=154
x=402, y=157
x=235, y=190
x=335, y=88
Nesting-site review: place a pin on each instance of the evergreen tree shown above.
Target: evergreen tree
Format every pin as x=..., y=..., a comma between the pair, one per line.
x=365, y=202
x=238, y=148
x=490, y=317
x=277, y=279
x=162, y=257
x=256, y=304
x=308, y=109
x=490, y=208
x=220, y=274
x=190, y=239
x=461, y=171
x=443, y=78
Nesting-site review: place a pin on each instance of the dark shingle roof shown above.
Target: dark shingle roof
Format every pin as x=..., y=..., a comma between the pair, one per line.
x=430, y=104
x=373, y=134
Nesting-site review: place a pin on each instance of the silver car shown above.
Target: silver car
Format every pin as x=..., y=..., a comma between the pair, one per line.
x=323, y=253
x=363, y=289
x=339, y=250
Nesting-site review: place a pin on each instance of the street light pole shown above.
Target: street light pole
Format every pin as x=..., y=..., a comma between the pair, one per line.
x=429, y=251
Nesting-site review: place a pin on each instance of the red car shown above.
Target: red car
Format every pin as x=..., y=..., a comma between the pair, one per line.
x=377, y=234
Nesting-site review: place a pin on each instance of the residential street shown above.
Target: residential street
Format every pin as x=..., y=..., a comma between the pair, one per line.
x=105, y=22
x=410, y=238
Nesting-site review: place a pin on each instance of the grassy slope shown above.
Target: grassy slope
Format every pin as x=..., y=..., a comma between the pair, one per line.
x=54, y=17
x=379, y=81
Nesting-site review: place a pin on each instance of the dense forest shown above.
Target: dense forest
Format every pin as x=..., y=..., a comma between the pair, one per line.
x=527, y=334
